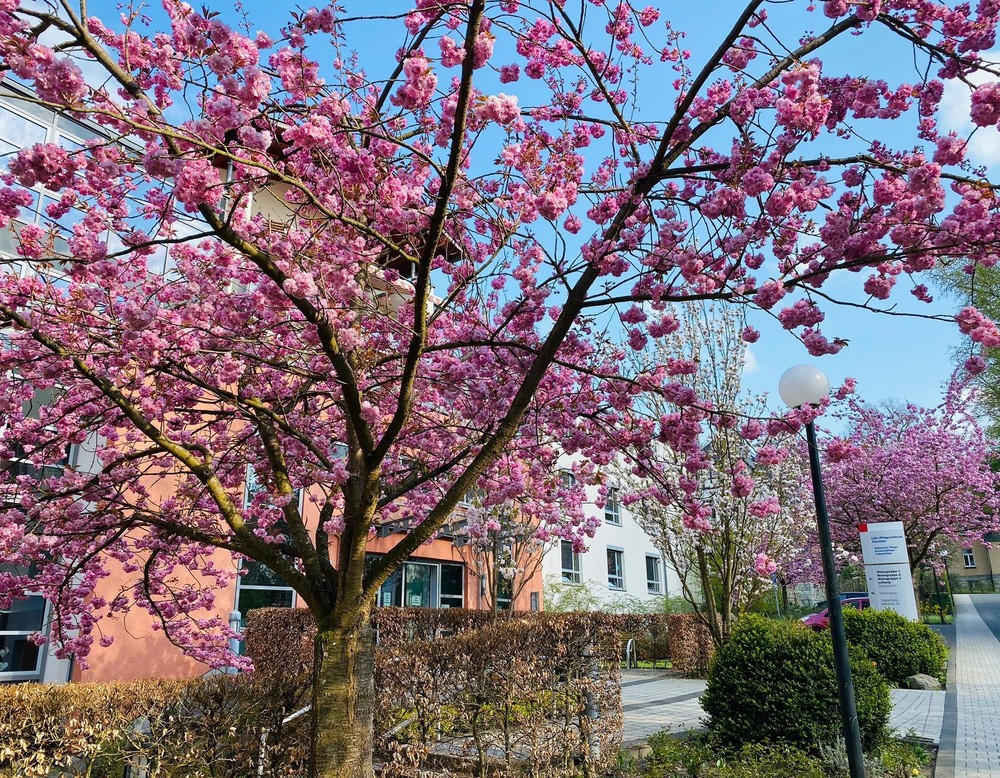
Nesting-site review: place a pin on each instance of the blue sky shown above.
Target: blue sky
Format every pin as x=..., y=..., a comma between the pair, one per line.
x=890, y=357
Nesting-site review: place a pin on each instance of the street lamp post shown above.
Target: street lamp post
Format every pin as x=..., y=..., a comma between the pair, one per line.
x=807, y=385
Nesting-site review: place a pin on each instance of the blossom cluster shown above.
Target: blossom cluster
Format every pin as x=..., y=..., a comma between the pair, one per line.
x=257, y=257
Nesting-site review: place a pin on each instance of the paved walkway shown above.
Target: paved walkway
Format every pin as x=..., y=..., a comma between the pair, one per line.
x=971, y=747
x=965, y=721
x=653, y=701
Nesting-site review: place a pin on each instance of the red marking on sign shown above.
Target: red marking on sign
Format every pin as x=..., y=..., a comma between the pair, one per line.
x=862, y=528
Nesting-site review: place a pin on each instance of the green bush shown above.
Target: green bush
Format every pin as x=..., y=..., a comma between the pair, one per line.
x=775, y=682
x=898, y=647
x=693, y=757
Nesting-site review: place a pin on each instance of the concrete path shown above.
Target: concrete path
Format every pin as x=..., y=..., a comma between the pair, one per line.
x=653, y=702
x=970, y=748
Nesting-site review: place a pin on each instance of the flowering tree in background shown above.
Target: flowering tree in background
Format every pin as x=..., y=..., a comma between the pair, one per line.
x=980, y=287
x=412, y=258
x=505, y=549
x=752, y=480
x=926, y=467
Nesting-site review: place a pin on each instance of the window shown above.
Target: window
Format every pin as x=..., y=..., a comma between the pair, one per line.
x=653, y=585
x=535, y=602
x=472, y=498
x=567, y=479
x=424, y=585
x=22, y=125
x=18, y=131
x=505, y=593
x=20, y=659
x=570, y=563
x=968, y=557
x=613, y=507
x=51, y=458
x=616, y=569
x=259, y=586
x=452, y=586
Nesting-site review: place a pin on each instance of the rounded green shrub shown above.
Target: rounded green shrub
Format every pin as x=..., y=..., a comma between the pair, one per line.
x=774, y=682
x=898, y=647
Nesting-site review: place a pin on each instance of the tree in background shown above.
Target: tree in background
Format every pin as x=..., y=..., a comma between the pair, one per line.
x=382, y=281
x=929, y=468
x=505, y=550
x=978, y=286
x=752, y=478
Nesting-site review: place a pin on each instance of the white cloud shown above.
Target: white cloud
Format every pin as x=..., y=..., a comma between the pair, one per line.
x=750, y=364
x=984, y=146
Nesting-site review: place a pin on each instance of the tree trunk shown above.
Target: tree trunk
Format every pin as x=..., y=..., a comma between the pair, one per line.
x=714, y=626
x=343, y=696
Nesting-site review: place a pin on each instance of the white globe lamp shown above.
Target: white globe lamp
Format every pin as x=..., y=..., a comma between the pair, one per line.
x=803, y=385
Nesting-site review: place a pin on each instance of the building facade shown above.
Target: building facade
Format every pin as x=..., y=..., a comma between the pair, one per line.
x=620, y=569
x=975, y=567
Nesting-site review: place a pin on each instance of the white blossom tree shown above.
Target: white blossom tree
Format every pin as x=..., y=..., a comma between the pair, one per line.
x=751, y=474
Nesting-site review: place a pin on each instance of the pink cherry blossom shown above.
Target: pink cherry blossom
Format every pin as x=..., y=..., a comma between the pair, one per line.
x=356, y=241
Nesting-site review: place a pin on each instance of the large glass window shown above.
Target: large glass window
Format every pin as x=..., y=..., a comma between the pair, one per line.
x=616, y=569
x=452, y=586
x=418, y=586
x=505, y=593
x=259, y=586
x=653, y=585
x=20, y=131
x=570, y=563
x=424, y=585
x=55, y=450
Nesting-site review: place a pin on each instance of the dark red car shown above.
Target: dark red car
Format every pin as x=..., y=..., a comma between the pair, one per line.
x=821, y=620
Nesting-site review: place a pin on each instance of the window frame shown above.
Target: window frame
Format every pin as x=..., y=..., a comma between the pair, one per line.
x=613, y=507
x=385, y=596
x=35, y=675
x=570, y=575
x=619, y=555
x=969, y=558
x=654, y=585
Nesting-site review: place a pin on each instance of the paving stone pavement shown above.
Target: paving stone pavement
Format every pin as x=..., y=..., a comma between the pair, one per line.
x=653, y=701
x=975, y=679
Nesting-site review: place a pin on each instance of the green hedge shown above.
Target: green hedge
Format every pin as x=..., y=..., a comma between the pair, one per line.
x=898, y=647
x=774, y=682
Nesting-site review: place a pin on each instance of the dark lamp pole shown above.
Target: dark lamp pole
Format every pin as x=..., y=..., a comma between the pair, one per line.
x=801, y=385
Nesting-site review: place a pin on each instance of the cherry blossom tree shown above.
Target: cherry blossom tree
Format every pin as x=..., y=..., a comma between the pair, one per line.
x=929, y=468
x=433, y=257
x=753, y=480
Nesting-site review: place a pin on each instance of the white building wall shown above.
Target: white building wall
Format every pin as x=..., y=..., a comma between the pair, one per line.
x=634, y=544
